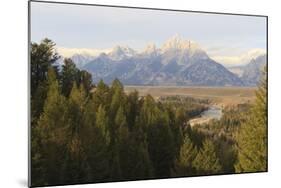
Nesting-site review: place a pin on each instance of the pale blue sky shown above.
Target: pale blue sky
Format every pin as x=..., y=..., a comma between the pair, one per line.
x=78, y=26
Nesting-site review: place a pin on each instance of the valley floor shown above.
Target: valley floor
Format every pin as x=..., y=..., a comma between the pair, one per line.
x=219, y=96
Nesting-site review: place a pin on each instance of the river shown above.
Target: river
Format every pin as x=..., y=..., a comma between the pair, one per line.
x=213, y=112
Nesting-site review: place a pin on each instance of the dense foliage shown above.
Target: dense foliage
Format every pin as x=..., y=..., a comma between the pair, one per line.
x=86, y=133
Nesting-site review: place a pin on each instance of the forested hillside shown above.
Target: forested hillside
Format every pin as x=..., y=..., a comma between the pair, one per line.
x=82, y=132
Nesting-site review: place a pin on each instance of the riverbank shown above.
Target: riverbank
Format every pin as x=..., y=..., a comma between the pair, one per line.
x=213, y=112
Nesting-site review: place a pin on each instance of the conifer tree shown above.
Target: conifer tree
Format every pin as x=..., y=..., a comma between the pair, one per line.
x=123, y=139
x=76, y=167
x=187, y=154
x=94, y=143
x=85, y=79
x=134, y=107
x=252, y=136
x=102, y=123
x=52, y=132
x=42, y=57
x=101, y=95
x=118, y=97
x=160, y=139
x=206, y=161
x=140, y=164
x=69, y=75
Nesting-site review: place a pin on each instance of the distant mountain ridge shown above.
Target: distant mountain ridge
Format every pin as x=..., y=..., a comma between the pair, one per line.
x=178, y=62
x=251, y=73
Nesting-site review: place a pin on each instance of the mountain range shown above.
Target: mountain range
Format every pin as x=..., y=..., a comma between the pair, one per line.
x=178, y=62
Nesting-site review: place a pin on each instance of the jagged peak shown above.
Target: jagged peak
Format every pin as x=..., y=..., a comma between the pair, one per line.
x=179, y=43
x=150, y=48
x=119, y=52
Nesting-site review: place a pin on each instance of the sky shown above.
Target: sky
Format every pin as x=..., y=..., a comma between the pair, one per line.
x=229, y=39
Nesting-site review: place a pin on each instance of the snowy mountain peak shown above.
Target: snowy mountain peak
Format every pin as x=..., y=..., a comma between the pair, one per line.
x=179, y=43
x=121, y=52
x=150, y=49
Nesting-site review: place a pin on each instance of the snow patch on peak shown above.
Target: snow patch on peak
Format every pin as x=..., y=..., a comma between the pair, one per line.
x=180, y=47
x=150, y=48
x=179, y=43
x=121, y=52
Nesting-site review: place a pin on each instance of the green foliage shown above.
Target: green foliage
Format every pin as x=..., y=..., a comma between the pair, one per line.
x=95, y=144
x=134, y=106
x=42, y=56
x=183, y=164
x=101, y=95
x=102, y=123
x=85, y=79
x=51, y=134
x=85, y=133
x=206, y=161
x=161, y=144
x=69, y=76
x=252, y=136
x=223, y=133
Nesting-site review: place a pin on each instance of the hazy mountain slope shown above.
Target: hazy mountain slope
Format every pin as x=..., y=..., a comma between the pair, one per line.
x=252, y=71
x=209, y=73
x=177, y=62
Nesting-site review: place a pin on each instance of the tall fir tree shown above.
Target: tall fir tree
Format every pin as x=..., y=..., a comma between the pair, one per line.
x=134, y=107
x=207, y=161
x=101, y=95
x=102, y=122
x=161, y=145
x=69, y=76
x=252, y=136
x=85, y=79
x=42, y=57
x=95, y=145
x=122, y=142
x=187, y=154
x=76, y=167
x=118, y=97
x=51, y=134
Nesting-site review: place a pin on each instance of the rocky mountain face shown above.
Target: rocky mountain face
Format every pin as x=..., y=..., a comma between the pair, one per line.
x=252, y=71
x=178, y=62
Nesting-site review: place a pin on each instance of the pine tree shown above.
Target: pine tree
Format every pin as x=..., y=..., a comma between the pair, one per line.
x=134, y=107
x=42, y=57
x=139, y=163
x=118, y=97
x=75, y=165
x=69, y=75
x=85, y=79
x=93, y=139
x=187, y=154
x=101, y=95
x=160, y=139
x=51, y=134
x=123, y=139
x=177, y=124
x=206, y=161
x=252, y=136
x=102, y=123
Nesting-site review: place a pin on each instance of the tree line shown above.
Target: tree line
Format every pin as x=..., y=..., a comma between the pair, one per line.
x=81, y=132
